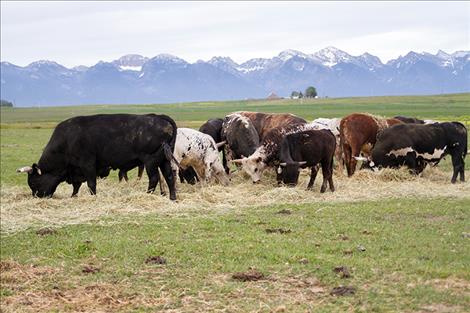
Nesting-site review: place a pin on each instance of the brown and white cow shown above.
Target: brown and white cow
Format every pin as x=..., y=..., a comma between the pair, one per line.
x=267, y=154
x=358, y=134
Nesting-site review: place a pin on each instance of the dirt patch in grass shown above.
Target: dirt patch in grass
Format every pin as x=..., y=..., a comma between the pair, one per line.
x=46, y=231
x=456, y=285
x=440, y=308
x=20, y=211
x=343, y=291
x=250, y=275
x=278, y=231
x=155, y=260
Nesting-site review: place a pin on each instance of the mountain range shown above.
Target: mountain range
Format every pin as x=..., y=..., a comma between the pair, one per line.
x=166, y=78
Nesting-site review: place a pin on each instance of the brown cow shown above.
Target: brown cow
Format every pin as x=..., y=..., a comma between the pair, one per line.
x=358, y=134
x=264, y=122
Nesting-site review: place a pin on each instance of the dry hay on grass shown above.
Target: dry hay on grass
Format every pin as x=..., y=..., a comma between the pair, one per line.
x=44, y=289
x=20, y=211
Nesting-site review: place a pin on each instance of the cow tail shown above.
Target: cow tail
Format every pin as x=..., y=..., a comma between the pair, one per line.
x=169, y=148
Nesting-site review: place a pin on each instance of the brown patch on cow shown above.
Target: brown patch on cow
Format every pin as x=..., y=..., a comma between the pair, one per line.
x=46, y=231
x=155, y=260
x=343, y=291
x=250, y=275
x=278, y=230
x=284, y=211
x=343, y=271
x=90, y=269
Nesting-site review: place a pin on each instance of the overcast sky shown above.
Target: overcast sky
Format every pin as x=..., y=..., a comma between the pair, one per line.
x=82, y=33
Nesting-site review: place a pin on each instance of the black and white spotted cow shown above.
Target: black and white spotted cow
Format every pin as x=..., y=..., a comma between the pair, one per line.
x=416, y=145
x=199, y=151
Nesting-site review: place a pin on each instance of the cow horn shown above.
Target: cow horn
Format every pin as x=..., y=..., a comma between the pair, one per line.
x=302, y=163
x=25, y=169
x=220, y=144
x=283, y=164
x=360, y=158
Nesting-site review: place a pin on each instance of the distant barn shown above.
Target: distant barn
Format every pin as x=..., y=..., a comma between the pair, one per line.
x=273, y=96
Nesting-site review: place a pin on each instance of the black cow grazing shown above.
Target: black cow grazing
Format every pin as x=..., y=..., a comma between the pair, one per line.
x=416, y=145
x=409, y=120
x=84, y=147
x=307, y=149
x=213, y=128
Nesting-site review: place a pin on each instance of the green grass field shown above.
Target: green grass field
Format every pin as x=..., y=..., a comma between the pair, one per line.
x=404, y=240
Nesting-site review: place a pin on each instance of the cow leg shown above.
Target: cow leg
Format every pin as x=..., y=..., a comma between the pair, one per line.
x=152, y=173
x=352, y=161
x=167, y=172
x=325, y=169
x=313, y=175
x=330, y=177
x=123, y=174
x=91, y=183
x=162, y=190
x=462, y=171
x=76, y=187
x=224, y=162
x=141, y=171
x=347, y=158
x=458, y=165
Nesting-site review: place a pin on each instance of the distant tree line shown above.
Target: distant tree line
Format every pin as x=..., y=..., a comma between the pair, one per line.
x=5, y=103
x=310, y=92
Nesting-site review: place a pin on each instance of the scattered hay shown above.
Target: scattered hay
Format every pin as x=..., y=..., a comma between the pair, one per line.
x=20, y=211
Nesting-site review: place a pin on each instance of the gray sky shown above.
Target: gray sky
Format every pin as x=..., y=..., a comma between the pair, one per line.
x=75, y=33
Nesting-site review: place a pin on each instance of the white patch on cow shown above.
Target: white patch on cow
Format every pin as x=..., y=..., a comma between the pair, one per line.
x=400, y=152
x=430, y=122
x=437, y=154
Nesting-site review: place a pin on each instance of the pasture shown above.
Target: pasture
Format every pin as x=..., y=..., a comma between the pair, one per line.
x=383, y=242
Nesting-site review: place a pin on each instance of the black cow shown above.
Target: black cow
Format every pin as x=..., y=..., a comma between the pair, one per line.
x=84, y=147
x=307, y=149
x=416, y=145
x=213, y=128
x=409, y=120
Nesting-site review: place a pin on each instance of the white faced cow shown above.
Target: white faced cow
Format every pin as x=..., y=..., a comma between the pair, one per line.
x=200, y=151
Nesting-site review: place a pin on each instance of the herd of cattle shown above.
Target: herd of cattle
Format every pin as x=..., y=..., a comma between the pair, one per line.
x=86, y=147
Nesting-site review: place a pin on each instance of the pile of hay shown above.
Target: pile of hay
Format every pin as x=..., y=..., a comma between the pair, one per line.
x=20, y=211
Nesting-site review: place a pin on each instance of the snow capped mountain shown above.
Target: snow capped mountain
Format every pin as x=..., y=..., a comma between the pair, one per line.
x=331, y=56
x=166, y=78
x=130, y=62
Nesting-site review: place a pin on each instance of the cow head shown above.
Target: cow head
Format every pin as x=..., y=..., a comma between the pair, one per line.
x=41, y=184
x=368, y=163
x=253, y=166
x=214, y=167
x=288, y=173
